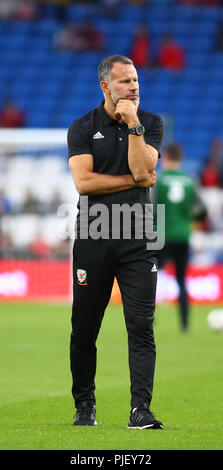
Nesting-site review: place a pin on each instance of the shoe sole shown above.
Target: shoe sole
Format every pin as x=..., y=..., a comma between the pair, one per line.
x=148, y=426
x=94, y=424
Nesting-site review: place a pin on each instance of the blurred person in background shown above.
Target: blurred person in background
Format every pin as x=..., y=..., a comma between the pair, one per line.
x=11, y=115
x=140, y=52
x=210, y=176
x=170, y=55
x=176, y=190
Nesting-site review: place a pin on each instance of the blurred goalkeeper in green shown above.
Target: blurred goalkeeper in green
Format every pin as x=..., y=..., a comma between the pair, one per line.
x=176, y=190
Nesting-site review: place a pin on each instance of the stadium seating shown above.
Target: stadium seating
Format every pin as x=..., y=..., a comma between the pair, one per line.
x=55, y=87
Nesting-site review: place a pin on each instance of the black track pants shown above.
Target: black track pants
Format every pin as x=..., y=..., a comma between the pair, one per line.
x=95, y=264
x=178, y=253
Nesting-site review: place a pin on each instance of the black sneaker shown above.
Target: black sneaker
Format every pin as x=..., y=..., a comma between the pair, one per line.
x=143, y=418
x=85, y=415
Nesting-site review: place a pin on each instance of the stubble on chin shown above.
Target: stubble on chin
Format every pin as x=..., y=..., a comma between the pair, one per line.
x=116, y=100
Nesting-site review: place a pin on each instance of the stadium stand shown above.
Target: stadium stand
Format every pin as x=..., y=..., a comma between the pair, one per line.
x=56, y=87
x=53, y=87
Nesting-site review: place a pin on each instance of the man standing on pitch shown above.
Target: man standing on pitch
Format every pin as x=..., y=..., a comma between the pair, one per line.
x=113, y=152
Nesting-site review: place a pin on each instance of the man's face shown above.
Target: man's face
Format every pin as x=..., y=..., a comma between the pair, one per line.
x=124, y=83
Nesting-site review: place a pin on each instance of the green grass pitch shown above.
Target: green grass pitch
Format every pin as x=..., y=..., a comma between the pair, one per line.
x=35, y=398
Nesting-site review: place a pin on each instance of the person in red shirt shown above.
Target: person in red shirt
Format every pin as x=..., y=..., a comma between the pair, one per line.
x=210, y=176
x=11, y=115
x=140, y=52
x=171, y=55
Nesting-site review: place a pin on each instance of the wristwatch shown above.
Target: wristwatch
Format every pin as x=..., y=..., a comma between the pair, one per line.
x=137, y=130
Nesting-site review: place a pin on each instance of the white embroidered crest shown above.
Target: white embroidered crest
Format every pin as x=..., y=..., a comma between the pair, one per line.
x=82, y=277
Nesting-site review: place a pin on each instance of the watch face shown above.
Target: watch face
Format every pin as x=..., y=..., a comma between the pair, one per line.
x=139, y=129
